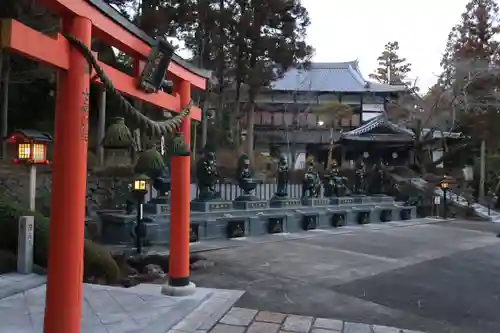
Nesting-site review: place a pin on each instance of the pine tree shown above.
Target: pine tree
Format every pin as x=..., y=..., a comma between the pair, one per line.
x=471, y=47
x=392, y=69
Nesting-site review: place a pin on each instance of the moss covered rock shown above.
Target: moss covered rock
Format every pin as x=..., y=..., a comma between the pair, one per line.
x=98, y=262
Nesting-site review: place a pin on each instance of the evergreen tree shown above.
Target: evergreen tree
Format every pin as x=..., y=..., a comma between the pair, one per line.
x=392, y=68
x=471, y=46
x=270, y=39
x=245, y=42
x=471, y=70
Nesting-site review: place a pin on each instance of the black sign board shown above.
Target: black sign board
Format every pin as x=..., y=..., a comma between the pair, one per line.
x=236, y=228
x=275, y=225
x=338, y=220
x=364, y=217
x=385, y=215
x=194, y=232
x=309, y=222
x=153, y=74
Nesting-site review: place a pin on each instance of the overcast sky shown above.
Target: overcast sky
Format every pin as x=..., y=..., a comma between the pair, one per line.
x=344, y=30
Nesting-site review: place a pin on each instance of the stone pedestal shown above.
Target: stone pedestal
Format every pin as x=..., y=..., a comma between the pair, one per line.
x=382, y=198
x=342, y=201
x=249, y=202
x=316, y=201
x=361, y=198
x=157, y=208
x=283, y=201
x=211, y=206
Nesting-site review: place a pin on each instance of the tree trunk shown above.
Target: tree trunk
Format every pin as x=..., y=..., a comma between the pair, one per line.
x=221, y=66
x=204, y=122
x=250, y=128
x=236, y=112
x=482, y=178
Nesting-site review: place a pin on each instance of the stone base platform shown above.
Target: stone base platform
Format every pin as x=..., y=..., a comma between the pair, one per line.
x=212, y=220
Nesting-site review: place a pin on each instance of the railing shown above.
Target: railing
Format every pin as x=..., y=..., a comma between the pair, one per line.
x=263, y=191
x=230, y=192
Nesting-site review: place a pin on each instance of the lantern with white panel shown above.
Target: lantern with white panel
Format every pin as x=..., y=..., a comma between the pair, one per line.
x=30, y=148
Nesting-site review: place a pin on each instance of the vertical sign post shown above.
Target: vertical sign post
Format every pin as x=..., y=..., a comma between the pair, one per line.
x=25, y=244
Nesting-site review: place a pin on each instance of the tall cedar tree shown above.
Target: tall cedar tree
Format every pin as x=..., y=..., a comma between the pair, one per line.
x=245, y=42
x=392, y=69
x=205, y=26
x=270, y=39
x=209, y=37
x=471, y=71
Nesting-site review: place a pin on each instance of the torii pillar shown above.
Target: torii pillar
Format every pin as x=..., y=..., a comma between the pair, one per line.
x=69, y=187
x=85, y=20
x=178, y=283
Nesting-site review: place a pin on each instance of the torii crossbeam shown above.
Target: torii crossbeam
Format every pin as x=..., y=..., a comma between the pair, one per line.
x=86, y=20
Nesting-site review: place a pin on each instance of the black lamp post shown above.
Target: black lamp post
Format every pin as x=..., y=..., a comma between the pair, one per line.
x=445, y=186
x=490, y=197
x=139, y=189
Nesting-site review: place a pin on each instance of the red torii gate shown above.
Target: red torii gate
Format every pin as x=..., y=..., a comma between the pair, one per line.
x=87, y=19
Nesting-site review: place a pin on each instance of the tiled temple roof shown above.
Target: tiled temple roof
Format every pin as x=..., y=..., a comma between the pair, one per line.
x=331, y=77
x=380, y=121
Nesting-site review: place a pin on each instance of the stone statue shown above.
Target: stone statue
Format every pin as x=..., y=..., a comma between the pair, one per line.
x=335, y=184
x=244, y=176
x=328, y=180
x=360, y=180
x=381, y=177
x=207, y=176
x=283, y=174
x=311, y=184
x=161, y=183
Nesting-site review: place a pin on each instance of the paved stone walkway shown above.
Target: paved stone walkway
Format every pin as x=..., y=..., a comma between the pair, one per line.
x=118, y=310
x=240, y=320
x=11, y=284
x=142, y=309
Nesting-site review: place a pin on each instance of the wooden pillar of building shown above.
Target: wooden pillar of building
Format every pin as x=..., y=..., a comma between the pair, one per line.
x=101, y=125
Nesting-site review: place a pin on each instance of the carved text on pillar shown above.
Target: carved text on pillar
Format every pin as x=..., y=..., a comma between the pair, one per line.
x=84, y=117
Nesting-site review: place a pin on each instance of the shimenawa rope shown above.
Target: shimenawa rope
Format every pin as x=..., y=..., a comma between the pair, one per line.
x=157, y=128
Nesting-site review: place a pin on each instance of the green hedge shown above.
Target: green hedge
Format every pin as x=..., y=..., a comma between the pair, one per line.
x=8, y=262
x=98, y=262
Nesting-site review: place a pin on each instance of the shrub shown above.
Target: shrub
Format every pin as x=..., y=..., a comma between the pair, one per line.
x=10, y=212
x=98, y=262
x=8, y=262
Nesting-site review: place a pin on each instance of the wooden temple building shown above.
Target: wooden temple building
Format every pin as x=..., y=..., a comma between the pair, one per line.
x=284, y=121
x=374, y=141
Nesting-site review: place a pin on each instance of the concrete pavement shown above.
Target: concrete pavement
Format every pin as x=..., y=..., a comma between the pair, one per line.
x=420, y=276
x=430, y=276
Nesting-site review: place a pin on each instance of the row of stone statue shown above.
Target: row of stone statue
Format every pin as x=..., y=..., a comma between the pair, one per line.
x=335, y=185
